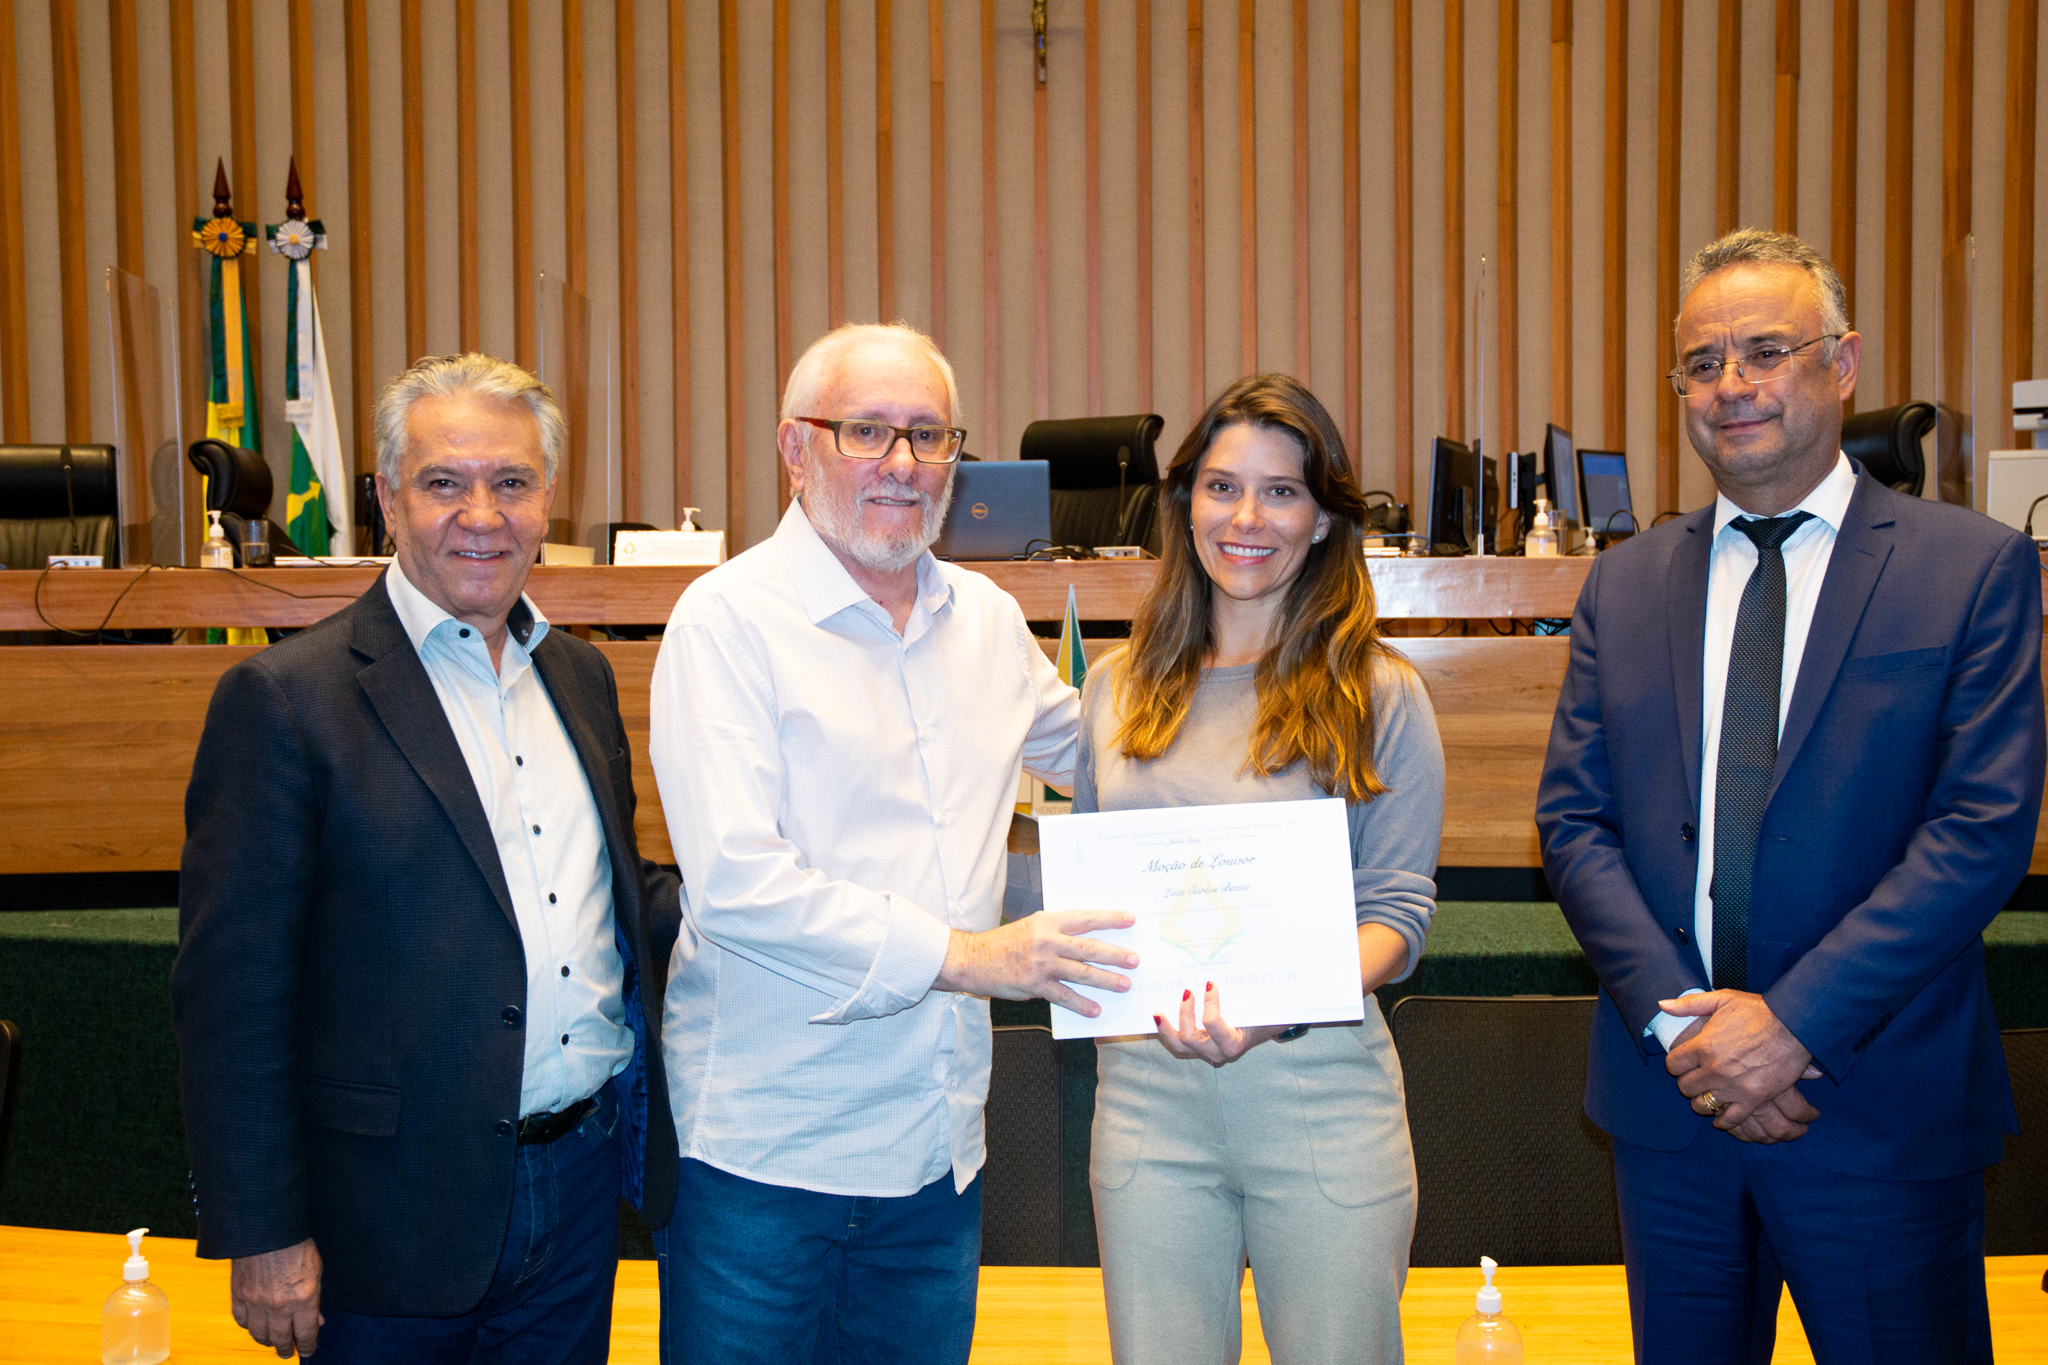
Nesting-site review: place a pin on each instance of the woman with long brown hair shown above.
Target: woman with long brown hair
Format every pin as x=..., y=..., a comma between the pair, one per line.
x=1256, y=672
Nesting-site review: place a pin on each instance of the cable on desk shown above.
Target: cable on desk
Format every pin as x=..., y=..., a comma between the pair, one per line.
x=99, y=632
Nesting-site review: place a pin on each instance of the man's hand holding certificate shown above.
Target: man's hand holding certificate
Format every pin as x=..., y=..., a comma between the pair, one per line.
x=1256, y=898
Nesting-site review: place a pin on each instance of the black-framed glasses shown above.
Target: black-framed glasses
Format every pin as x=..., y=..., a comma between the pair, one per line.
x=1760, y=366
x=860, y=439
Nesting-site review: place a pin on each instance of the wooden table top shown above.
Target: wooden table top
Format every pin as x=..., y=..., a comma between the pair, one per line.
x=52, y=1285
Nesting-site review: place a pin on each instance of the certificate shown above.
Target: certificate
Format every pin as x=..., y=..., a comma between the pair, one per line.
x=1254, y=897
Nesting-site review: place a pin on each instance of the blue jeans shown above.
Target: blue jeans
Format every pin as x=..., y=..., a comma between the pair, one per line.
x=550, y=1302
x=1884, y=1271
x=765, y=1273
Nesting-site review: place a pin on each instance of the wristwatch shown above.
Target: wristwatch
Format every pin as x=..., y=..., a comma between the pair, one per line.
x=1289, y=1035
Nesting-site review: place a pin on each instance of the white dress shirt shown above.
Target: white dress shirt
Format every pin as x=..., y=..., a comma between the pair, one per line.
x=550, y=843
x=1731, y=559
x=839, y=799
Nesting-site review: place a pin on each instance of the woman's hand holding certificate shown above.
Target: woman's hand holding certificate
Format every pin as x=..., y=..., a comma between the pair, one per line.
x=1256, y=898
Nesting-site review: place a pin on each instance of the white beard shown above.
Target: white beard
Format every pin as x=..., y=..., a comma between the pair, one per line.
x=835, y=513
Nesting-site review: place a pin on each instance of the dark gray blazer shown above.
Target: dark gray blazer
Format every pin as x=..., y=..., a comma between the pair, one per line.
x=350, y=987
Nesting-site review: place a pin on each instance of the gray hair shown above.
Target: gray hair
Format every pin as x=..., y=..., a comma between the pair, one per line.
x=809, y=376
x=1755, y=246
x=452, y=376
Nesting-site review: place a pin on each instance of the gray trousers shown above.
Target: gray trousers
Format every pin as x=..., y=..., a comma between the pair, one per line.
x=1295, y=1155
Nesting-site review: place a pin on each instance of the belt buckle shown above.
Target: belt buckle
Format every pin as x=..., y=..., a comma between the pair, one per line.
x=537, y=1130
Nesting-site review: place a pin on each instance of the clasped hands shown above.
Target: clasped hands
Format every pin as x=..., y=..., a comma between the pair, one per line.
x=1737, y=1050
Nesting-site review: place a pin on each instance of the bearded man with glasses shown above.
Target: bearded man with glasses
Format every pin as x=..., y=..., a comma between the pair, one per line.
x=839, y=721
x=1779, y=808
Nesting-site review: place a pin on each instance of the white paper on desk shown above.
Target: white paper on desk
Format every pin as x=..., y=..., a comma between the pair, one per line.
x=1255, y=897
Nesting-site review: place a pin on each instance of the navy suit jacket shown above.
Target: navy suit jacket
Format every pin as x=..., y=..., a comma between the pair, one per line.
x=350, y=984
x=1901, y=816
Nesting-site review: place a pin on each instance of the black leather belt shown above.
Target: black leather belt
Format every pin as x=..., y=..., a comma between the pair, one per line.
x=538, y=1129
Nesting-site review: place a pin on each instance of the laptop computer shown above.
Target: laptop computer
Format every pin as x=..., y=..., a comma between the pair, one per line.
x=1002, y=509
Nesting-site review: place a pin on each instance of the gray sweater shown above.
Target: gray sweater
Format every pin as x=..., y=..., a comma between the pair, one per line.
x=1394, y=837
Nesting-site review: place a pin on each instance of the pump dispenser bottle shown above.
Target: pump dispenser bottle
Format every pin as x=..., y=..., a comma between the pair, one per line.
x=135, y=1324
x=214, y=551
x=1486, y=1336
x=1542, y=538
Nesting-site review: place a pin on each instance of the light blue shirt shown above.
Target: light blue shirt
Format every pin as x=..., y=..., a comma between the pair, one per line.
x=550, y=843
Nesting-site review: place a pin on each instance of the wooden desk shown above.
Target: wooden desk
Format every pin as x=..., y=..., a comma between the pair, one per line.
x=52, y=1285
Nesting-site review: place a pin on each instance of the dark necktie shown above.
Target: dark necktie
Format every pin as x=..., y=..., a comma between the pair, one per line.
x=1749, y=743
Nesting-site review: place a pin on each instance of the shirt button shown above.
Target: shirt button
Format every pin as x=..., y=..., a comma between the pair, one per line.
x=464, y=633
x=565, y=971
x=520, y=760
x=511, y=1016
x=565, y=1040
x=551, y=900
x=943, y=819
x=536, y=829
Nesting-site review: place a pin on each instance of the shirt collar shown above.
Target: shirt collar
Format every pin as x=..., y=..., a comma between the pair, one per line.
x=823, y=583
x=422, y=616
x=1828, y=502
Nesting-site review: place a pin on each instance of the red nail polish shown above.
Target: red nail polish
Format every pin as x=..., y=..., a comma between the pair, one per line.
x=1187, y=995
x=1208, y=987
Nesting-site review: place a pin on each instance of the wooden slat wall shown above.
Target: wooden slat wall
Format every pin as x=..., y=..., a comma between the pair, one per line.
x=425, y=265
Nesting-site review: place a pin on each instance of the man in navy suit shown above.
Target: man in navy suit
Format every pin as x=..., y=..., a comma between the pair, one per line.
x=420, y=960
x=1795, y=769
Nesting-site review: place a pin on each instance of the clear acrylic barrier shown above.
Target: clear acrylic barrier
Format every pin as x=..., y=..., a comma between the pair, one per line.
x=149, y=459
x=1958, y=477
x=578, y=361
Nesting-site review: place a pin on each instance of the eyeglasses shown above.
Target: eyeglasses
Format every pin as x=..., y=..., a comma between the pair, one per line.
x=1760, y=366
x=859, y=439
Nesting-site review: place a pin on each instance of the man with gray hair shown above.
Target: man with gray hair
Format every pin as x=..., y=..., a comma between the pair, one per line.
x=419, y=974
x=839, y=721
x=1795, y=771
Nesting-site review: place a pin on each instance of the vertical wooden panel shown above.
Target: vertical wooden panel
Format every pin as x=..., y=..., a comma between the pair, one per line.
x=523, y=279
x=242, y=112
x=1141, y=204
x=1614, y=233
x=572, y=155
x=991, y=357
x=1302, y=366
x=1454, y=219
x=14, y=426
x=1247, y=191
x=362, y=363
x=1842, y=147
x=1404, y=252
x=1507, y=227
x=1785, y=123
x=679, y=256
x=74, y=339
x=1898, y=202
x=1955, y=469
x=785, y=323
x=2016, y=290
x=625, y=105
x=191, y=287
x=935, y=24
x=468, y=310
x=1198, y=273
x=1728, y=119
x=1354, y=338
x=1670, y=49
x=130, y=217
x=885, y=162
x=300, y=37
x=1091, y=152
x=835, y=185
x=1958, y=69
x=413, y=124
x=1041, y=245
x=1561, y=336
x=735, y=297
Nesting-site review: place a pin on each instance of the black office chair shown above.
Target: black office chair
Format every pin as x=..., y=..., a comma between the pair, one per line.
x=238, y=486
x=1023, y=1212
x=1886, y=442
x=1103, y=474
x=2016, y=1189
x=58, y=500
x=1507, y=1163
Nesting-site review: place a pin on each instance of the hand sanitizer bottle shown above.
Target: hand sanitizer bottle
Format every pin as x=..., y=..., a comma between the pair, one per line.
x=135, y=1324
x=1542, y=539
x=1486, y=1335
x=214, y=551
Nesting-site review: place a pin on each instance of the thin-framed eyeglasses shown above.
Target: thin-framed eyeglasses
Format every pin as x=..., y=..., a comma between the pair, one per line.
x=857, y=438
x=1760, y=366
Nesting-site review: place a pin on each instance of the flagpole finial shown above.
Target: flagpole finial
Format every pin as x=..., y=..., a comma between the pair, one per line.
x=294, y=197
x=223, y=201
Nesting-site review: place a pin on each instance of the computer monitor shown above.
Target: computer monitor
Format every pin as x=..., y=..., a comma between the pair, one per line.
x=1524, y=487
x=1563, y=473
x=1453, y=481
x=1603, y=491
